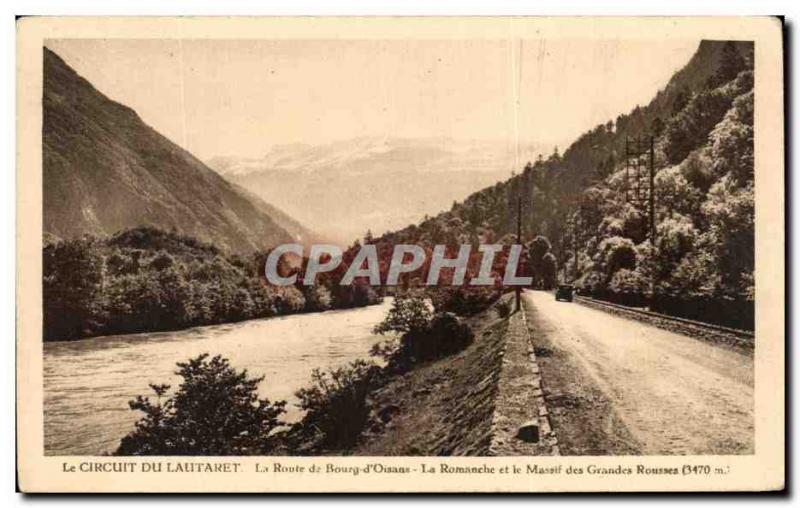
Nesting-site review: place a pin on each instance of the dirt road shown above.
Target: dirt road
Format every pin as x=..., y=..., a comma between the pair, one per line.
x=674, y=394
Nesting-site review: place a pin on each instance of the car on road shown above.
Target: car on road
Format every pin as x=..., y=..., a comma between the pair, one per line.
x=564, y=292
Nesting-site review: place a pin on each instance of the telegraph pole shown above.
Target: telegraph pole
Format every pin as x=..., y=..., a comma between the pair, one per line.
x=652, y=195
x=652, y=218
x=575, y=250
x=517, y=289
x=627, y=169
x=641, y=201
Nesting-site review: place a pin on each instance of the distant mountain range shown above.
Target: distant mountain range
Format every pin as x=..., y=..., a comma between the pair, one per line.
x=105, y=170
x=347, y=187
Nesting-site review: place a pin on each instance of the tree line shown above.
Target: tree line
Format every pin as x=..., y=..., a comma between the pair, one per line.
x=145, y=279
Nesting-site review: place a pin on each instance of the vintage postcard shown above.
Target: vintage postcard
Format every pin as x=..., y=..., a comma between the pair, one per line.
x=400, y=254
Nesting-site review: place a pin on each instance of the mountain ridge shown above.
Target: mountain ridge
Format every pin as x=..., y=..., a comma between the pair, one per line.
x=344, y=186
x=105, y=170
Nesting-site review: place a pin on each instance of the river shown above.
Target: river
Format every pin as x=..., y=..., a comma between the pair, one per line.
x=88, y=383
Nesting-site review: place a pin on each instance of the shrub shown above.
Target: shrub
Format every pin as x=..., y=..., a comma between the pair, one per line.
x=408, y=313
x=676, y=238
x=216, y=411
x=634, y=223
x=463, y=301
x=162, y=260
x=335, y=403
x=422, y=336
x=445, y=335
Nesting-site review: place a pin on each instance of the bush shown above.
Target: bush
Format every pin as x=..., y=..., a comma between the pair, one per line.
x=216, y=411
x=335, y=403
x=464, y=301
x=445, y=335
x=423, y=336
x=408, y=313
x=697, y=170
x=735, y=313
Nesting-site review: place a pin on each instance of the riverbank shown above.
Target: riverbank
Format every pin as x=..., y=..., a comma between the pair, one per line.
x=471, y=403
x=146, y=280
x=88, y=383
x=443, y=407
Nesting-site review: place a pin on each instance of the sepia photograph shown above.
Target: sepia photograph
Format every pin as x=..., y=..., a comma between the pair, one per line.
x=539, y=246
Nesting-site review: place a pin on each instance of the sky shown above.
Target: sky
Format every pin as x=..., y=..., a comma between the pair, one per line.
x=240, y=97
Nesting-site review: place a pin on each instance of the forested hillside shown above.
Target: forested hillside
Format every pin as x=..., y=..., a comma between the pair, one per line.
x=702, y=260
x=702, y=125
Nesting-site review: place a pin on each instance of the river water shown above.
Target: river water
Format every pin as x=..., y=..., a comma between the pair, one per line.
x=88, y=383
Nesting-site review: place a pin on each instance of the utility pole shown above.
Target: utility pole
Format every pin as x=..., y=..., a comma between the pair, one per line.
x=652, y=218
x=637, y=198
x=575, y=249
x=652, y=195
x=627, y=169
x=517, y=289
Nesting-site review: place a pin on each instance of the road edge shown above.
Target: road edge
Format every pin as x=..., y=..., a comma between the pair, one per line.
x=520, y=408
